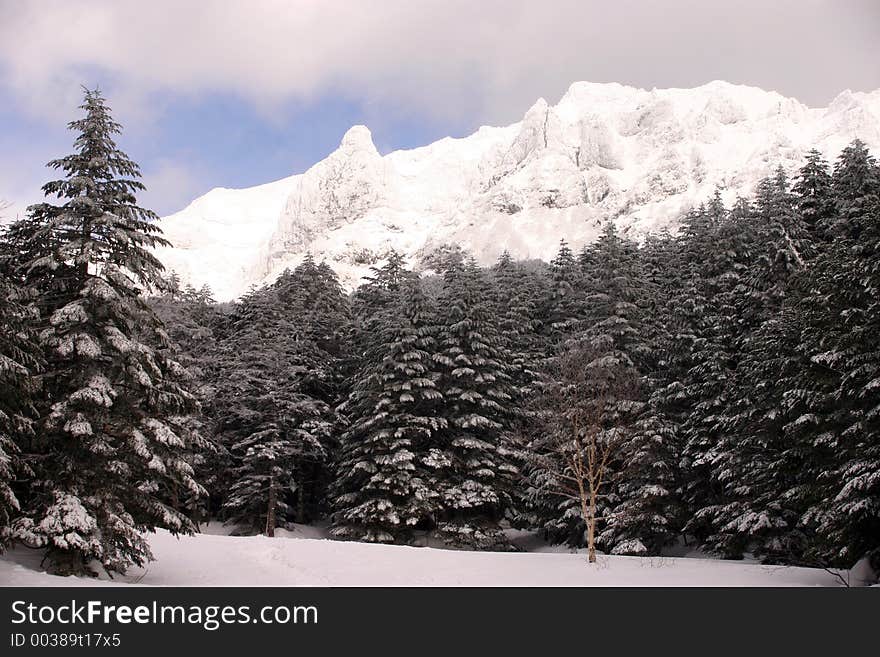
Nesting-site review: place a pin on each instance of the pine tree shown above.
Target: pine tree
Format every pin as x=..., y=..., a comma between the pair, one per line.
x=20, y=361
x=616, y=334
x=382, y=491
x=565, y=306
x=517, y=307
x=717, y=253
x=191, y=320
x=649, y=514
x=111, y=440
x=847, y=519
x=759, y=462
x=473, y=459
x=267, y=413
x=813, y=199
x=855, y=188
x=755, y=465
x=314, y=299
x=783, y=245
x=381, y=288
x=314, y=292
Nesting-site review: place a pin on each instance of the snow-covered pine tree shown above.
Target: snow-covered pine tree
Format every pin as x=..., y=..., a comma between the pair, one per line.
x=519, y=291
x=316, y=302
x=266, y=416
x=753, y=464
x=613, y=291
x=810, y=401
x=847, y=520
x=560, y=315
x=649, y=513
x=111, y=439
x=380, y=289
x=673, y=306
x=758, y=461
x=382, y=487
x=812, y=192
x=565, y=305
x=370, y=300
x=314, y=292
x=191, y=320
x=615, y=332
x=783, y=247
x=20, y=362
x=855, y=190
x=473, y=459
x=721, y=250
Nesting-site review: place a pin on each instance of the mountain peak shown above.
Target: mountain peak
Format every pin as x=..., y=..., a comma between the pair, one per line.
x=357, y=136
x=606, y=152
x=597, y=89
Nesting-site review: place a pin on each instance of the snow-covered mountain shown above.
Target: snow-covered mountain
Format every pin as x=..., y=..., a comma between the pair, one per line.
x=605, y=152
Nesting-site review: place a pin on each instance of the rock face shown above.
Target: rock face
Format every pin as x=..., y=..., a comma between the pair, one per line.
x=605, y=152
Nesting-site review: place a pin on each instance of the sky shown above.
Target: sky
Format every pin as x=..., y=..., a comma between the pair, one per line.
x=234, y=93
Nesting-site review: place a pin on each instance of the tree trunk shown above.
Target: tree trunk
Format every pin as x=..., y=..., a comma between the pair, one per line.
x=301, y=504
x=588, y=511
x=83, y=267
x=270, y=512
x=591, y=529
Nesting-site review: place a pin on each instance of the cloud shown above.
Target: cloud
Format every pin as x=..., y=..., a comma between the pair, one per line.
x=448, y=58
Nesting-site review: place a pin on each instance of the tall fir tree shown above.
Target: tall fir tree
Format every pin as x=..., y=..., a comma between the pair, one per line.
x=813, y=198
x=20, y=363
x=314, y=296
x=111, y=438
x=474, y=459
x=565, y=304
x=270, y=412
x=713, y=299
x=614, y=332
x=382, y=490
x=752, y=464
x=519, y=292
x=649, y=514
x=855, y=189
x=847, y=520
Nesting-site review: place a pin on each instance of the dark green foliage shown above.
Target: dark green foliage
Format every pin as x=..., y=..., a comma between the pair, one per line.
x=813, y=195
x=472, y=460
x=382, y=489
x=111, y=439
x=20, y=362
x=565, y=306
x=519, y=293
x=277, y=384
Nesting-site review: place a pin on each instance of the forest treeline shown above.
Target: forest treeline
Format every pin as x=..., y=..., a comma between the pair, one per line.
x=719, y=385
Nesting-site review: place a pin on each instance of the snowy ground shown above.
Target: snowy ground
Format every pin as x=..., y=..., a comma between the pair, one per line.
x=301, y=558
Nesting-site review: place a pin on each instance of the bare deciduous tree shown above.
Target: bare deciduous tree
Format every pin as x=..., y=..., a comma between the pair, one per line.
x=585, y=404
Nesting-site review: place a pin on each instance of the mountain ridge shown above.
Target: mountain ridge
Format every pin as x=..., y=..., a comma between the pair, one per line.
x=604, y=152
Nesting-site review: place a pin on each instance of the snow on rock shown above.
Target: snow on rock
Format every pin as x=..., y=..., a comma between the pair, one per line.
x=605, y=152
x=216, y=560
